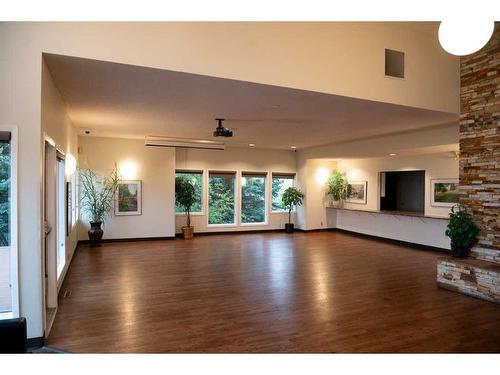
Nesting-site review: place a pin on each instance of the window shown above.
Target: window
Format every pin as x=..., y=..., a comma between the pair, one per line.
x=196, y=178
x=221, y=198
x=8, y=250
x=61, y=215
x=253, y=198
x=281, y=182
x=394, y=63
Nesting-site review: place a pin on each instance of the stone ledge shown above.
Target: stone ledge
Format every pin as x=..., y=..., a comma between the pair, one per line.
x=486, y=254
x=470, y=276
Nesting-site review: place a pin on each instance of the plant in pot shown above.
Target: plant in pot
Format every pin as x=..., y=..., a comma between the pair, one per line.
x=291, y=198
x=97, y=199
x=185, y=196
x=461, y=230
x=337, y=188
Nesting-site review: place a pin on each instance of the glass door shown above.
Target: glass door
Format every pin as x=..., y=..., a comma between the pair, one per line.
x=8, y=248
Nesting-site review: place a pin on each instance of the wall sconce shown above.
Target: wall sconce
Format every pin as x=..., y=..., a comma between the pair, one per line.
x=128, y=170
x=322, y=175
x=70, y=164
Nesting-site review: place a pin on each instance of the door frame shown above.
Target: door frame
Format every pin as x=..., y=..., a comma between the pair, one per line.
x=14, y=249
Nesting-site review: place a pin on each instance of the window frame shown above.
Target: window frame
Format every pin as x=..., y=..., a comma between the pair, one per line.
x=13, y=247
x=192, y=171
x=264, y=174
x=235, y=222
x=281, y=174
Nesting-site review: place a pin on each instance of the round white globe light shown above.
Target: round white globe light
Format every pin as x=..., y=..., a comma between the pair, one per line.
x=463, y=37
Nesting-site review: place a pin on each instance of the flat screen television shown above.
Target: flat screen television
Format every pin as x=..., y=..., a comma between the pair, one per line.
x=402, y=191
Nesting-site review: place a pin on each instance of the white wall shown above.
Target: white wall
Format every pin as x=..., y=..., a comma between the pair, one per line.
x=154, y=166
x=436, y=166
x=423, y=231
x=57, y=125
x=313, y=174
x=235, y=160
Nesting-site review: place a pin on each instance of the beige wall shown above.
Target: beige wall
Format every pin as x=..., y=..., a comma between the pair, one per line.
x=339, y=58
x=436, y=166
x=153, y=166
x=57, y=125
x=236, y=160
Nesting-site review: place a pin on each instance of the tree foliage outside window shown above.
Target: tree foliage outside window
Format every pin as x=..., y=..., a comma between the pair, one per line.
x=4, y=194
x=253, y=199
x=221, y=199
x=279, y=185
x=195, y=178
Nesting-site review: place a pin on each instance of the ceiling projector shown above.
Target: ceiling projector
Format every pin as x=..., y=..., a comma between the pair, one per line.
x=221, y=131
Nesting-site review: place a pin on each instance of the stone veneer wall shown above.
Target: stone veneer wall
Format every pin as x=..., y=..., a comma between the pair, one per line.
x=480, y=143
x=470, y=277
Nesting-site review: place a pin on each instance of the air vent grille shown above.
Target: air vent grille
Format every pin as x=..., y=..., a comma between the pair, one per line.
x=394, y=63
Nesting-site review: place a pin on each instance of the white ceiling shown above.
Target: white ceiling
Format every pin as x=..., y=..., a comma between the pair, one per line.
x=117, y=100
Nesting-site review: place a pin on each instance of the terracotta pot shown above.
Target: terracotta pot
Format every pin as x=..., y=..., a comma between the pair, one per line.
x=95, y=234
x=188, y=233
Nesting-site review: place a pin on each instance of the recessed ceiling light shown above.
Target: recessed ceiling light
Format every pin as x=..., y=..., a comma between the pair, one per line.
x=392, y=154
x=251, y=144
x=293, y=147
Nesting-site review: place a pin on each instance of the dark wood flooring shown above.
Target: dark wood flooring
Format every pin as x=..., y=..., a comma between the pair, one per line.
x=307, y=292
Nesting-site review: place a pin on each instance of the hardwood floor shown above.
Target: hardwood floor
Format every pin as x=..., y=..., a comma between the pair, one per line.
x=306, y=292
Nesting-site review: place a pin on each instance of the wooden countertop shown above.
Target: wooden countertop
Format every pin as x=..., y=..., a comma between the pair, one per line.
x=394, y=213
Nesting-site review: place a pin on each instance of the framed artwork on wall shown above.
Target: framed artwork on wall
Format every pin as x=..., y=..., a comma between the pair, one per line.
x=357, y=192
x=444, y=192
x=128, y=199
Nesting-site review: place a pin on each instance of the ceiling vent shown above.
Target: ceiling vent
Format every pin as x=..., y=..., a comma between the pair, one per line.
x=394, y=63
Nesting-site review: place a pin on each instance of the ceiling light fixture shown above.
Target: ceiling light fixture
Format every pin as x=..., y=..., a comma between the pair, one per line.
x=251, y=144
x=463, y=37
x=392, y=154
x=293, y=147
x=183, y=142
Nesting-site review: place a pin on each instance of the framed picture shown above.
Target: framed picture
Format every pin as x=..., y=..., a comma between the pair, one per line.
x=444, y=192
x=357, y=193
x=69, y=205
x=129, y=198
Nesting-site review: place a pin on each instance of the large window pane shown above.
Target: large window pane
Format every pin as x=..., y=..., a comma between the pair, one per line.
x=196, y=178
x=279, y=185
x=5, y=221
x=253, y=198
x=221, y=198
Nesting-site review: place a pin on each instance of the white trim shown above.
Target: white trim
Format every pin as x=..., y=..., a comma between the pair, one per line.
x=14, y=250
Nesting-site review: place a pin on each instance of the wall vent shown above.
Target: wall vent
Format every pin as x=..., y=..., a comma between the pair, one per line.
x=394, y=63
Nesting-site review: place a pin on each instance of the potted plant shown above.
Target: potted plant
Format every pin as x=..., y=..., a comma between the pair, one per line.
x=291, y=197
x=337, y=188
x=461, y=230
x=185, y=196
x=96, y=200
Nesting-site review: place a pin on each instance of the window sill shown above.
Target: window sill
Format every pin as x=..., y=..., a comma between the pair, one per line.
x=191, y=213
x=254, y=224
x=221, y=225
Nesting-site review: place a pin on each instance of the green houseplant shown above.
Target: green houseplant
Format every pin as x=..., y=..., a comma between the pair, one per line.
x=185, y=196
x=337, y=187
x=461, y=230
x=291, y=197
x=97, y=199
